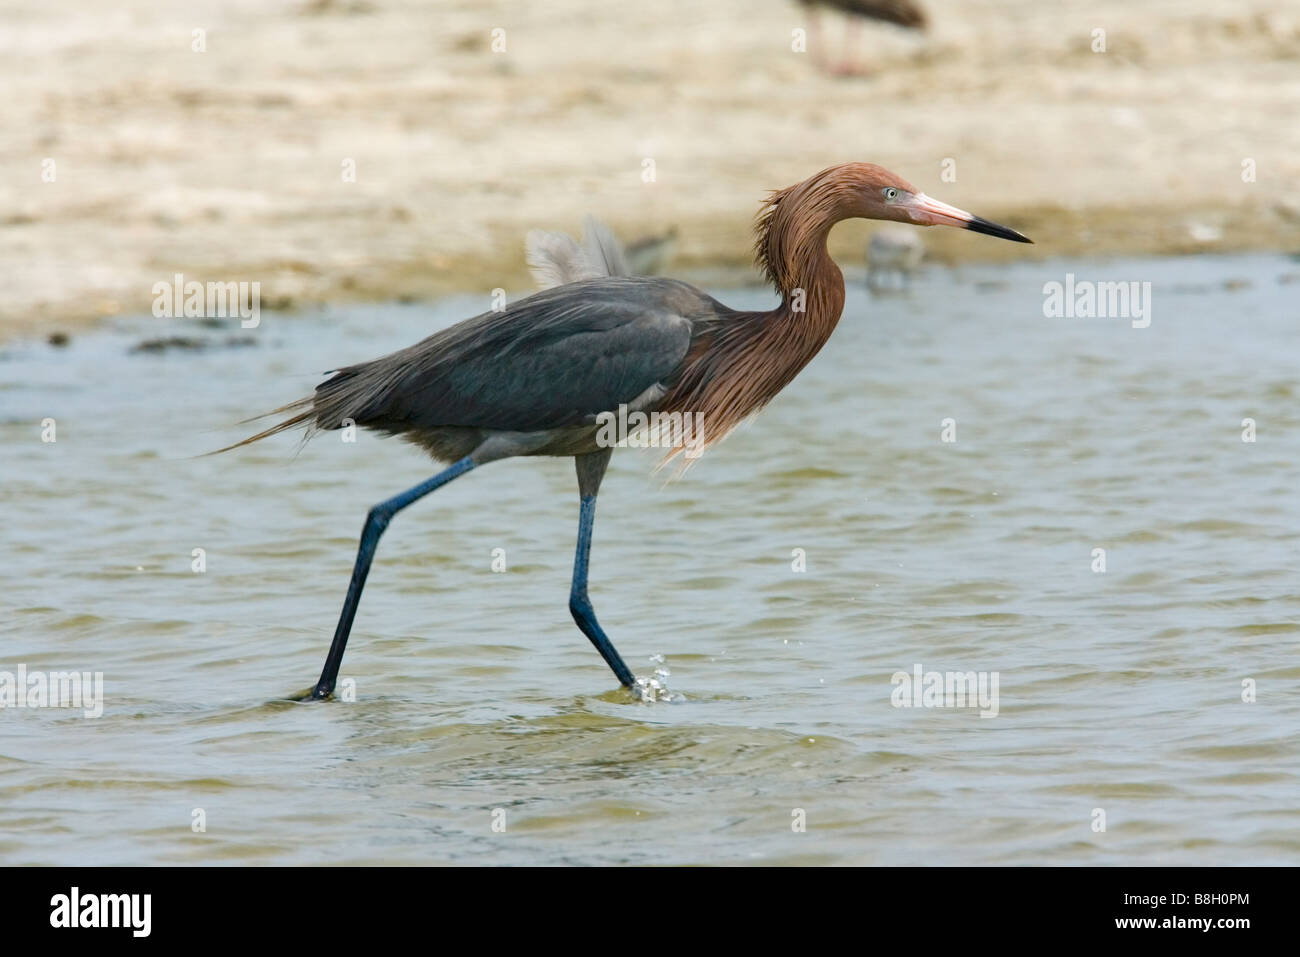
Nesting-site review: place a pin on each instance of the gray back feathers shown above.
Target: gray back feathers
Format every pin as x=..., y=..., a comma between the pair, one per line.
x=593, y=338
x=554, y=359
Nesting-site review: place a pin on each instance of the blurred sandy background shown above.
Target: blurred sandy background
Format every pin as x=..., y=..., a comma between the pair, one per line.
x=227, y=164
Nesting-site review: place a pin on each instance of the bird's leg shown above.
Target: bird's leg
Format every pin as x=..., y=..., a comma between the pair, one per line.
x=591, y=469
x=849, y=65
x=815, y=38
x=376, y=521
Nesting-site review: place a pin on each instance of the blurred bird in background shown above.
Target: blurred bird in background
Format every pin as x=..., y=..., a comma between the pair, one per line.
x=892, y=256
x=902, y=13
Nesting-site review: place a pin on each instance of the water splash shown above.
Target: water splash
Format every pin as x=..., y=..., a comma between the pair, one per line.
x=655, y=687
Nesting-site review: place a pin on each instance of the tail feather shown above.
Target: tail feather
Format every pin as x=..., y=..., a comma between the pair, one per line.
x=350, y=396
x=306, y=417
x=356, y=392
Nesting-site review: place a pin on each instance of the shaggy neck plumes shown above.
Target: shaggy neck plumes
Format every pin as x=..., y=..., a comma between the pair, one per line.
x=738, y=364
x=790, y=246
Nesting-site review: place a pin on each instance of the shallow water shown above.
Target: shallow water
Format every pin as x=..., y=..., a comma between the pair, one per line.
x=1119, y=691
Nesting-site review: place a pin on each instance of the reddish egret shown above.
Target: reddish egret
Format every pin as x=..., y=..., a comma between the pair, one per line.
x=902, y=13
x=534, y=378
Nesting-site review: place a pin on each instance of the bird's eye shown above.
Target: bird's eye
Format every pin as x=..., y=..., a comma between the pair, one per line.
x=891, y=193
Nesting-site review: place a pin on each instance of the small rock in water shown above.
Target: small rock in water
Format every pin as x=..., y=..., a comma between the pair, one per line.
x=165, y=343
x=190, y=344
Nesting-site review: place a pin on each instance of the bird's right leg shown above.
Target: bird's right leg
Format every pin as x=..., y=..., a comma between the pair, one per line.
x=815, y=39
x=376, y=521
x=591, y=469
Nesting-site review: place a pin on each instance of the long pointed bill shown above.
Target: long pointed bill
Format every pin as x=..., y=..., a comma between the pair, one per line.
x=931, y=212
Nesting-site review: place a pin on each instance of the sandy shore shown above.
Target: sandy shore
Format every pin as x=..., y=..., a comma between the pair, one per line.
x=229, y=164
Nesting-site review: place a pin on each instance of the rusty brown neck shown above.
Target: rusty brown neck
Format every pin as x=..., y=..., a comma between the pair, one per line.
x=738, y=363
x=791, y=247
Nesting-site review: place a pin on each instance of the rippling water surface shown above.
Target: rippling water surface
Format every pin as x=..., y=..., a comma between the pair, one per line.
x=1119, y=691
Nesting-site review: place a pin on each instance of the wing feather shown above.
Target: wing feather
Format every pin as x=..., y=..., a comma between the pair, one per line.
x=557, y=358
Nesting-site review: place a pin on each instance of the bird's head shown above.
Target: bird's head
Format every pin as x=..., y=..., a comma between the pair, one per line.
x=793, y=222
x=873, y=192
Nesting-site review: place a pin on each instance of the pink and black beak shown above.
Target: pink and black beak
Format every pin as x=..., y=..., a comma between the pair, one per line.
x=930, y=212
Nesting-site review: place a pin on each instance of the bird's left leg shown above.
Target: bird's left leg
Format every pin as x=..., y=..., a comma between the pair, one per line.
x=849, y=65
x=814, y=40
x=591, y=469
x=376, y=521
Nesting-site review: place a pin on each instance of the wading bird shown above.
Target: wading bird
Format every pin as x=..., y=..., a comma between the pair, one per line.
x=902, y=13
x=650, y=255
x=893, y=254
x=540, y=376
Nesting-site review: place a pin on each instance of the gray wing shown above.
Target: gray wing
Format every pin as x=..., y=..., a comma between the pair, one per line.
x=554, y=359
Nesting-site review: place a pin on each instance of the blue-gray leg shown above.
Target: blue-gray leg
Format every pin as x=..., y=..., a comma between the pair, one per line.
x=591, y=469
x=376, y=521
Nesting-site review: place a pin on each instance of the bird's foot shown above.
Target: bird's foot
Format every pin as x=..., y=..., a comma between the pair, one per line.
x=314, y=693
x=849, y=69
x=654, y=687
